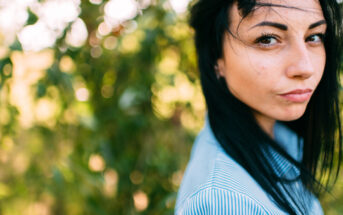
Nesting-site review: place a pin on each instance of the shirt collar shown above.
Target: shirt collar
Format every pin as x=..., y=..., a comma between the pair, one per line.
x=287, y=139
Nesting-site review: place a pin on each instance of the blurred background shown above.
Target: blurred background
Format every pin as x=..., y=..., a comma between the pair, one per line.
x=100, y=102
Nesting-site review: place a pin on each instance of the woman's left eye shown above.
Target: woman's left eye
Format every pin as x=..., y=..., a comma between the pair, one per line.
x=316, y=38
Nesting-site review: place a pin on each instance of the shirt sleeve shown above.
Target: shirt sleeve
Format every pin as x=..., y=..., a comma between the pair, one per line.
x=214, y=201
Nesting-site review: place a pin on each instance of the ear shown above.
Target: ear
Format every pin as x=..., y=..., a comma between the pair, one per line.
x=220, y=68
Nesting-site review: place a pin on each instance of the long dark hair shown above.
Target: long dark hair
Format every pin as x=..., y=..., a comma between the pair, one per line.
x=319, y=129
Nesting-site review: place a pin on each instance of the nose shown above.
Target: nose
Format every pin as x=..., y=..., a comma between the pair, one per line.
x=300, y=65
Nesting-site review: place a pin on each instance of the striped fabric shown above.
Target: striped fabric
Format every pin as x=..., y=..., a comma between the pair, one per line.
x=214, y=183
x=220, y=201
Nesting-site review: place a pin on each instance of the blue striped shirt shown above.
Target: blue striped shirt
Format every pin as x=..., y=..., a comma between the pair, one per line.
x=214, y=183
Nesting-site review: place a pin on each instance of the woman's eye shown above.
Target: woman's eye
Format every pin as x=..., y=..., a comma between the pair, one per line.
x=266, y=40
x=316, y=38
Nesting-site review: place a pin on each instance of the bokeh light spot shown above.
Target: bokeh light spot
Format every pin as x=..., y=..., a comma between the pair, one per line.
x=111, y=181
x=179, y=6
x=36, y=37
x=117, y=11
x=82, y=94
x=96, y=52
x=136, y=177
x=78, y=34
x=38, y=208
x=110, y=43
x=96, y=2
x=67, y=64
x=104, y=29
x=46, y=110
x=96, y=163
x=141, y=200
x=130, y=44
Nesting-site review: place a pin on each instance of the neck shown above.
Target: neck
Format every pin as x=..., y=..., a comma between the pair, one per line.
x=267, y=124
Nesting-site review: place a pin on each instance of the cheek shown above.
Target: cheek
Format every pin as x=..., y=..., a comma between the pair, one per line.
x=251, y=83
x=264, y=74
x=319, y=58
x=319, y=66
x=265, y=65
x=251, y=75
x=262, y=70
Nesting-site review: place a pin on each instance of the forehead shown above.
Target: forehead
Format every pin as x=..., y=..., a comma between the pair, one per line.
x=287, y=11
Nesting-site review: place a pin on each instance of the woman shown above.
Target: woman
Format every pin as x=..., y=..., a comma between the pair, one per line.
x=270, y=75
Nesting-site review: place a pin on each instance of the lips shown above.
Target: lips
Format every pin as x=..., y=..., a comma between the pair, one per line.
x=298, y=95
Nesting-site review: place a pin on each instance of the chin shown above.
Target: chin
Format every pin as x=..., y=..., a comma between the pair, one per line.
x=293, y=114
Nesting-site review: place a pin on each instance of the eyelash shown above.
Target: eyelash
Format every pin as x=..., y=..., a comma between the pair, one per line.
x=268, y=36
x=265, y=36
x=320, y=35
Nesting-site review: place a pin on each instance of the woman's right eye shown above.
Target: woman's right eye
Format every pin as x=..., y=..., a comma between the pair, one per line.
x=266, y=40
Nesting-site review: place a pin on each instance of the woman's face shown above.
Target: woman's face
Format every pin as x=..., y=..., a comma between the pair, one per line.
x=275, y=58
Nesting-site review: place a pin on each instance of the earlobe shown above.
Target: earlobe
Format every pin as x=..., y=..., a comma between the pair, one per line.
x=219, y=68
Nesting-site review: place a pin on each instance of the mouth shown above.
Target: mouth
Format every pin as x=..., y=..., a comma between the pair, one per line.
x=298, y=95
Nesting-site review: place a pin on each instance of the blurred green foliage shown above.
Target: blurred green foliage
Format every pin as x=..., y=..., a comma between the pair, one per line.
x=106, y=127
x=88, y=130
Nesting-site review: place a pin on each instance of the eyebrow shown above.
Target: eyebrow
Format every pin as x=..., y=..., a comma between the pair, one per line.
x=284, y=27
x=316, y=24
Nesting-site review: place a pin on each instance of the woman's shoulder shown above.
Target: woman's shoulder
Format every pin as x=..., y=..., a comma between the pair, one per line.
x=212, y=177
x=226, y=187
x=218, y=201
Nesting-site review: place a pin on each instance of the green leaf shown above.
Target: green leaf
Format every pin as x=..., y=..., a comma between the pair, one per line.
x=32, y=18
x=16, y=46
